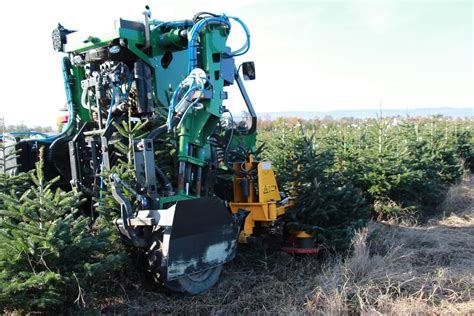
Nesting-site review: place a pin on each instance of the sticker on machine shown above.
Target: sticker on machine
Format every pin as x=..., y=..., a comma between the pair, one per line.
x=266, y=165
x=269, y=188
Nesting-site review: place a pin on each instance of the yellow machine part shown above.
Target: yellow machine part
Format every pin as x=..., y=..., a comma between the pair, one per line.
x=260, y=198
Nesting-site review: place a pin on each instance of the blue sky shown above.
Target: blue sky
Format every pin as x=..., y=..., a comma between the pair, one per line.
x=309, y=55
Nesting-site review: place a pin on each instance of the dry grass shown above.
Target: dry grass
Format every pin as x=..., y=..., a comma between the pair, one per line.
x=393, y=269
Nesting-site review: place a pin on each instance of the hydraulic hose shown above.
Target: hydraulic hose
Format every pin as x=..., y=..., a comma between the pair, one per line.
x=227, y=150
x=195, y=80
x=162, y=129
x=52, y=149
x=185, y=92
x=195, y=30
x=219, y=20
x=168, y=187
x=66, y=64
x=64, y=135
x=245, y=48
x=28, y=133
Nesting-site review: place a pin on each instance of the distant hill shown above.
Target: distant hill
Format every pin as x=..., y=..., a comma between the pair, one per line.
x=450, y=112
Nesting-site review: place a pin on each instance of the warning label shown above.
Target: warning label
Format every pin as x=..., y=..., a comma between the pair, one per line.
x=269, y=188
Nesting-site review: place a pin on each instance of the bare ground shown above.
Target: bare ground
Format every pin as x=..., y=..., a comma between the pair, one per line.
x=393, y=269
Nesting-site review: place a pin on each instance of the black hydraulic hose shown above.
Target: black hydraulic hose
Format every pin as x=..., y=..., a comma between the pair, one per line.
x=157, y=131
x=163, y=128
x=199, y=14
x=52, y=149
x=64, y=135
x=164, y=179
x=227, y=149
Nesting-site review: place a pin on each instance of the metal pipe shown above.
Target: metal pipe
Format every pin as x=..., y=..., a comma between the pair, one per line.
x=181, y=170
x=247, y=101
x=99, y=114
x=189, y=170
x=147, y=28
x=198, y=180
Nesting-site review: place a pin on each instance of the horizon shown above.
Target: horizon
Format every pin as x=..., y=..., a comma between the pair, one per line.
x=333, y=114
x=324, y=56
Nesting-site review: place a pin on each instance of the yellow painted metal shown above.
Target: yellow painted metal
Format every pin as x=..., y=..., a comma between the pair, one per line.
x=262, y=199
x=267, y=183
x=303, y=234
x=264, y=190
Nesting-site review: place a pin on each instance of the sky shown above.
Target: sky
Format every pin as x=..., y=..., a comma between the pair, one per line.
x=309, y=55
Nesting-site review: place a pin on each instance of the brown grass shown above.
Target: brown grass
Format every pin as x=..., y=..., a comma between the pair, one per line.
x=393, y=269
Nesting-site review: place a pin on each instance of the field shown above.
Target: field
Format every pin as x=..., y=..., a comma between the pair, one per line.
x=392, y=269
x=390, y=200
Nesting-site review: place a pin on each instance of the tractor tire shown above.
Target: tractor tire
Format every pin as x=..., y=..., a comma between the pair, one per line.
x=191, y=284
x=195, y=283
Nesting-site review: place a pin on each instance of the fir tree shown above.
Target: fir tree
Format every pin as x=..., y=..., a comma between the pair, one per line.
x=10, y=180
x=328, y=204
x=50, y=256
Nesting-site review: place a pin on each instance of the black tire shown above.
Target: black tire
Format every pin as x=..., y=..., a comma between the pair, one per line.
x=196, y=283
x=192, y=284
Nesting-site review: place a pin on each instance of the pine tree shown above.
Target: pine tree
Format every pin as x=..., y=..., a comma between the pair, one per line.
x=50, y=256
x=10, y=180
x=310, y=167
x=328, y=204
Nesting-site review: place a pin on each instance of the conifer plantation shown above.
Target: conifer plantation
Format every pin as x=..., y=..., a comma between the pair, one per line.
x=348, y=171
x=346, y=175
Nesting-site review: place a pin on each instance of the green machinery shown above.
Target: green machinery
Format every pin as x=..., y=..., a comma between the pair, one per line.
x=171, y=78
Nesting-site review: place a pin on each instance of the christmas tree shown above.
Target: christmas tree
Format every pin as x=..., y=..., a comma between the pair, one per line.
x=50, y=256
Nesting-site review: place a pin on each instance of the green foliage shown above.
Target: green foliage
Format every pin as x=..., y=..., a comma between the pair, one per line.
x=50, y=256
x=284, y=152
x=10, y=180
x=328, y=204
x=394, y=167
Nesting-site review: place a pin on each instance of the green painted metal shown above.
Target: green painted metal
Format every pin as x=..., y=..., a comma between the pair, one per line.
x=166, y=200
x=199, y=124
x=84, y=114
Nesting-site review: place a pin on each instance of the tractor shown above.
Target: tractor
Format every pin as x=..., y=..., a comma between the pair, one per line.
x=186, y=212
